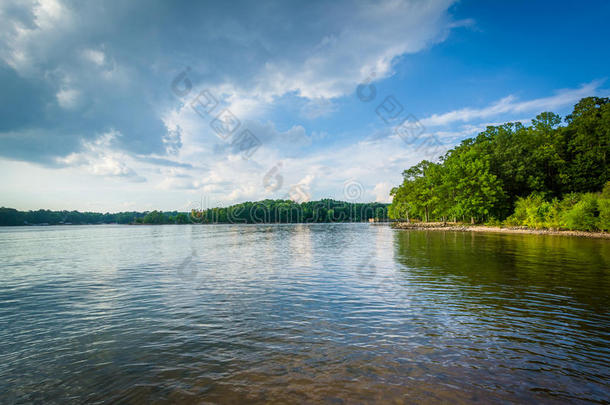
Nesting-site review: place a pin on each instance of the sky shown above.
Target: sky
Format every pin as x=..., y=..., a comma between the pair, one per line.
x=119, y=106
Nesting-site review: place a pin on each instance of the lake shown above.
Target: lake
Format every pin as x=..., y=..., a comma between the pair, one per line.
x=334, y=313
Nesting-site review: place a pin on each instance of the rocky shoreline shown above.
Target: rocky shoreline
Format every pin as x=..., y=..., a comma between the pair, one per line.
x=447, y=226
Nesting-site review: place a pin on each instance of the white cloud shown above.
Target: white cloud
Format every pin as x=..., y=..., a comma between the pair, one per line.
x=95, y=56
x=381, y=191
x=99, y=158
x=510, y=104
x=379, y=32
x=87, y=60
x=22, y=40
x=68, y=98
x=319, y=107
x=470, y=130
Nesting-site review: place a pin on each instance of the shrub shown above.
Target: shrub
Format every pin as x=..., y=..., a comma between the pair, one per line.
x=554, y=217
x=583, y=215
x=603, y=222
x=493, y=222
x=533, y=211
x=520, y=214
x=539, y=213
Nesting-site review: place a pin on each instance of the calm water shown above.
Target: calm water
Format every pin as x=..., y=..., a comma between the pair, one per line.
x=301, y=313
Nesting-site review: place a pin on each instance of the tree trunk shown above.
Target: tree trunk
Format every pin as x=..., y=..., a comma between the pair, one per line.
x=472, y=220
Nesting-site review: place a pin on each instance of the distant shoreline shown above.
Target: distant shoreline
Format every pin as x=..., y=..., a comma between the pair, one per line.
x=198, y=224
x=440, y=226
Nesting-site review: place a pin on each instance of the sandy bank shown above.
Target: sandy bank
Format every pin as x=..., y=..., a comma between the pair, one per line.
x=440, y=226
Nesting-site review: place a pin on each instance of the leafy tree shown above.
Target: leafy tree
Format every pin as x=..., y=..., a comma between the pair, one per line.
x=587, y=145
x=182, y=218
x=491, y=175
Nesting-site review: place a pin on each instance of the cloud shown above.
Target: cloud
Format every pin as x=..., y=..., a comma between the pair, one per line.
x=323, y=174
x=381, y=191
x=469, y=130
x=510, y=104
x=99, y=158
x=379, y=32
x=163, y=162
x=73, y=70
x=95, y=56
x=318, y=107
x=68, y=98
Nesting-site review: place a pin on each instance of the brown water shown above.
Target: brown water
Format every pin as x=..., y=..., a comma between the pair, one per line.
x=335, y=313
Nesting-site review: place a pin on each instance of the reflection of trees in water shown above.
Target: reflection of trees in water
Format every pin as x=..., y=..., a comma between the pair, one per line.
x=520, y=300
x=511, y=264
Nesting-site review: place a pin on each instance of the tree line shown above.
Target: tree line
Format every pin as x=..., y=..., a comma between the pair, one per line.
x=287, y=211
x=13, y=217
x=267, y=211
x=513, y=173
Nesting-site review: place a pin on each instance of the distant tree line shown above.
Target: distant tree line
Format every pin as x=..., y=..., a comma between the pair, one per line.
x=267, y=211
x=10, y=216
x=515, y=173
x=287, y=211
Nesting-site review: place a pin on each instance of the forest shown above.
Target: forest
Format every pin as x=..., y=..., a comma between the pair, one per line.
x=287, y=211
x=13, y=217
x=543, y=175
x=266, y=211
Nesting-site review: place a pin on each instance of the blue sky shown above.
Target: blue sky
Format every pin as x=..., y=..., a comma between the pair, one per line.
x=97, y=98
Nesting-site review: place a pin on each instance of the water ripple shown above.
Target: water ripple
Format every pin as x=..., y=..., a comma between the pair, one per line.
x=301, y=313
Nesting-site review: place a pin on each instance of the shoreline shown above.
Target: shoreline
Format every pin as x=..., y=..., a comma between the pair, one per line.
x=440, y=226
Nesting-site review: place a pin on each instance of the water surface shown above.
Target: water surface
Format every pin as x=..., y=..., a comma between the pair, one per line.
x=301, y=313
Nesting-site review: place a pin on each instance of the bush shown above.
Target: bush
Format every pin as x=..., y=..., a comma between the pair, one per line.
x=581, y=212
x=494, y=222
x=519, y=217
x=539, y=214
x=603, y=222
x=535, y=212
x=554, y=217
x=583, y=215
